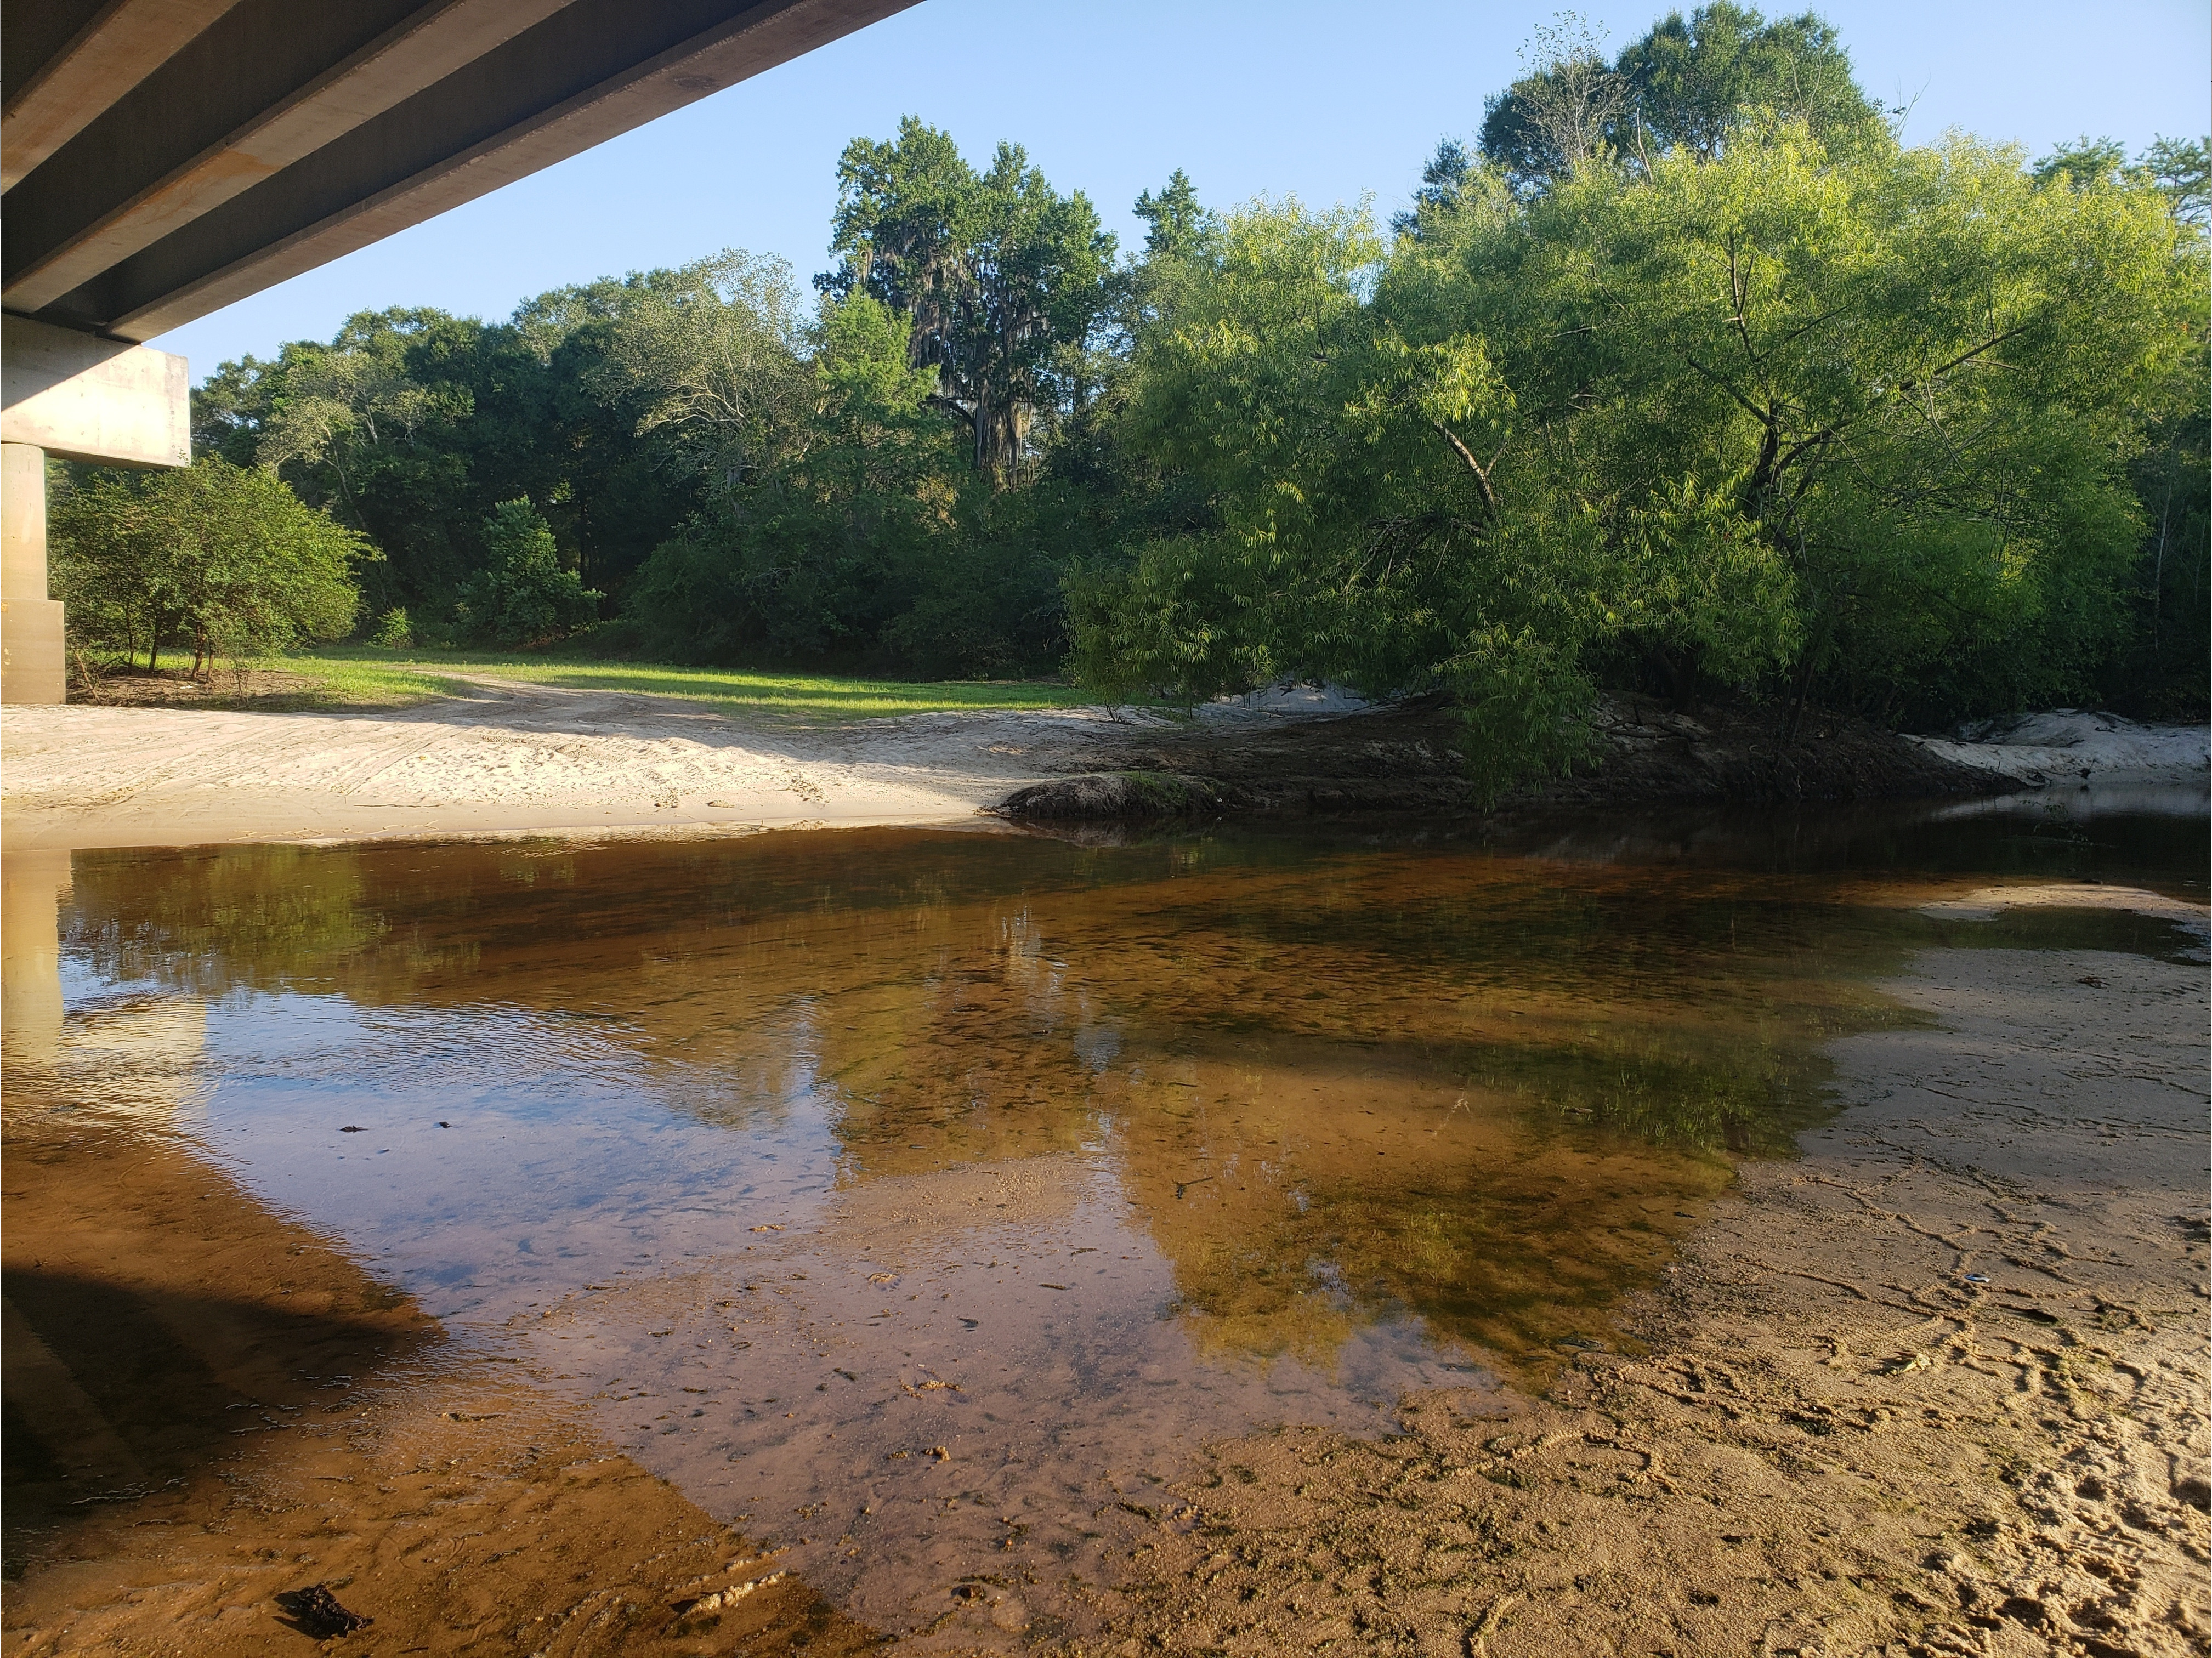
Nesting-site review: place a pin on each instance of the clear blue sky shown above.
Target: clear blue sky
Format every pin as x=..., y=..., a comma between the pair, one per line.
x=1324, y=101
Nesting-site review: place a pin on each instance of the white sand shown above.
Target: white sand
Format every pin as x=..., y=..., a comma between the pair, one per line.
x=1985, y=902
x=2068, y=748
x=514, y=758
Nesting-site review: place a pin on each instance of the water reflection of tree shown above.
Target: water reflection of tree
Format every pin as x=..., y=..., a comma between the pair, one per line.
x=1481, y=1090
x=210, y=922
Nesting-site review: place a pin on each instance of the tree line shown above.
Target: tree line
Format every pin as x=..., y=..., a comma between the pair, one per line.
x=1685, y=375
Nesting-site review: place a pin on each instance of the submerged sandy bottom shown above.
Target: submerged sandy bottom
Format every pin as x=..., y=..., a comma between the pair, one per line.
x=539, y=1272
x=210, y=1409
x=1937, y=1387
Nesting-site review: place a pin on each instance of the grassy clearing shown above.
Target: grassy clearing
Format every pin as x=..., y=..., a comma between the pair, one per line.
x=362, y=676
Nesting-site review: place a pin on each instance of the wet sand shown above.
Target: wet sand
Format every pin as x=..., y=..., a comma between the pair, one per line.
x=1937, y=1387
x=208, y=1408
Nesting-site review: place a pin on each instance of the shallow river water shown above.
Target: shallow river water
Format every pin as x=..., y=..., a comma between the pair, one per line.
x=902, y=1194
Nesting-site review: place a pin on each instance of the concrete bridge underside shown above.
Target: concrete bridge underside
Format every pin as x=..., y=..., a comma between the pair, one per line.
x=161, y=159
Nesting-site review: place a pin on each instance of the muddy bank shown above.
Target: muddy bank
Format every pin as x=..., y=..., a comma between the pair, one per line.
x=1408, y=759
x=1936, y=1388
x=210, y=1413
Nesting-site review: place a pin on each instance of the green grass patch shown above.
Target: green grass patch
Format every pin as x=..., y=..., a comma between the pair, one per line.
x=360, y=675
x=340, y=681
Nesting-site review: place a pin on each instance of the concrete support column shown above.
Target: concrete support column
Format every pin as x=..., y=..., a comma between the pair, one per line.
x=32, y=664
x=33, y=886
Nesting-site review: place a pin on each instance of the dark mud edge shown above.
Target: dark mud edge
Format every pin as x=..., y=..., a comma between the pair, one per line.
x=1408, y=759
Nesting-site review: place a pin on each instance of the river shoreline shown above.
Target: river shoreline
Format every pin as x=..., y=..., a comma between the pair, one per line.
x=1932, y=1387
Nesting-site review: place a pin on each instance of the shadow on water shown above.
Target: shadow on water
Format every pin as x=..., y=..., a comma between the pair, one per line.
x=898, y=1174
x=158, y=1404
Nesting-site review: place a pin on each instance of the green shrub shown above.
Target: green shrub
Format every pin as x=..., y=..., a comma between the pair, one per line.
x=524, y=595
x=217, y=559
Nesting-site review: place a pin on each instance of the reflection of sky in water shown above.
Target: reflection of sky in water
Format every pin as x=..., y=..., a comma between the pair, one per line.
x=559, y=1146
x=935, y=1230
x=1011, y=1315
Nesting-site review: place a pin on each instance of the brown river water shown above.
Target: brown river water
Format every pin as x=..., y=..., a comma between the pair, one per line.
x=903, y=1197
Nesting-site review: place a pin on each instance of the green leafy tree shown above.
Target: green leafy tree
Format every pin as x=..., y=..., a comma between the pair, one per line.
x=2182, y=169
x=817, y=556
x=1875, y=359
x=1445, y=180
x=414, y=425
x=524, y=595
x=714, y=355
x=220, y=559
x=1765, y=417
x=1691, y=85
x=999, y=276
x=1177, y=225
x=1563, y=113
x=353, y=426
x=2082, y=163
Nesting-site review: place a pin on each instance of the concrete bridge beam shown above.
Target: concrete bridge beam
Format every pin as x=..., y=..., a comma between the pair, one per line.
x=172, y=156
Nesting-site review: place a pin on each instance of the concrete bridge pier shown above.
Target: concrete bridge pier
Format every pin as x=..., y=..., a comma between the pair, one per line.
x=33, y=886
x=77, y=396
x=32, y=664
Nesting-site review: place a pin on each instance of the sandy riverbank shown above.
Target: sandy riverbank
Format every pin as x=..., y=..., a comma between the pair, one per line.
x=515, y=757
x=1937, y=1387
x=2073, y=748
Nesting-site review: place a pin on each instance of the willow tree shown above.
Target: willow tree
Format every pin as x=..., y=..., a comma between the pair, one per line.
x=1749, y=421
